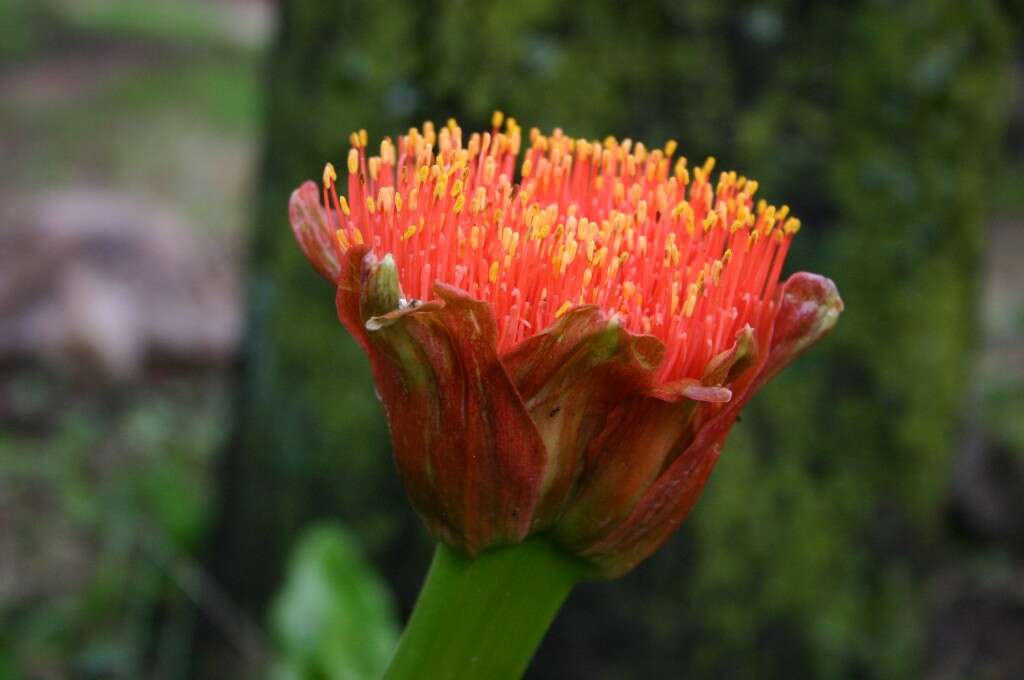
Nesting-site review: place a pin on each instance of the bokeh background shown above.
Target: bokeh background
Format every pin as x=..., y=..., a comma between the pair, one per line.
x=195, y=477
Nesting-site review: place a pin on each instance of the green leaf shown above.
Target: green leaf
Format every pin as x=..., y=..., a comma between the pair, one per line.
x=334, y=618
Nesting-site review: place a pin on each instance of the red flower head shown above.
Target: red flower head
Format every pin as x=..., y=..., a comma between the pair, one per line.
x=565, y=354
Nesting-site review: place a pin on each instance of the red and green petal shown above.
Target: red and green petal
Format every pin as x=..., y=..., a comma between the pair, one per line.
x=469, y=454
x=642, y=436
x=809, y=308
x=571, y=377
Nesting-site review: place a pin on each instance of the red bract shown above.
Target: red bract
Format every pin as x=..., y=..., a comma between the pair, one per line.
x=566, y=354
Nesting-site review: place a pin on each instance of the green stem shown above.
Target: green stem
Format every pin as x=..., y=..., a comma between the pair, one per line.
x=484, y=617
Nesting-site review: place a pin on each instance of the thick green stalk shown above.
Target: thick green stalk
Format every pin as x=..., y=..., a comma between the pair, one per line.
x=484, y=617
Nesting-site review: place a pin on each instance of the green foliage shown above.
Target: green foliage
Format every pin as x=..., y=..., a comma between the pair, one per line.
x=116, y=502
x=334, y=617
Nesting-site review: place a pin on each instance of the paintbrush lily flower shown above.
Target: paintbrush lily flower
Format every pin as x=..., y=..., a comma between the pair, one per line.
x=561, y=344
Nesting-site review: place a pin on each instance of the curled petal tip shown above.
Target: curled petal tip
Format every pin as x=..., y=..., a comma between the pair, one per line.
x=310, y=226
x=692, y=390
x=376, y=323
x=809, y=310
x=706, y=393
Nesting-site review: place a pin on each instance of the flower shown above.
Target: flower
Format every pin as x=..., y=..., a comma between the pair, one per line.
x=568, y=353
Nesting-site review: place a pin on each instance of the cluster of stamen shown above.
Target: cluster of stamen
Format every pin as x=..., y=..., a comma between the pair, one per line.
x=632, y=230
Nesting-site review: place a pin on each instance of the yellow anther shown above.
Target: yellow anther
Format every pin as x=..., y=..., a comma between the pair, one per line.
x=709, y=221
x=743, y=214
x=398, y=201
x=708, y=166
x=726, y=256
x=459, y=202
x=716, y=271
x=769, y=218
x=387, y=151
x=344, y=206
x=353, y=161
x=628, y=288
x=409, y=232
x=342, y=239
x=330, y=176
x=791, y=226
x=691, y=300
x=492, y=274
x=496, y=119
x=670, y=147
x=563, y=309
x=527, y=168
x=357, y=236
x=370, y=205
x=619, y=191
x=363, y=138
x=652, y=167
x=456, y=188
x=479, y=200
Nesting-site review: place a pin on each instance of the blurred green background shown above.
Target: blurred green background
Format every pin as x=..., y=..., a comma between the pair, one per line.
x=195, y=478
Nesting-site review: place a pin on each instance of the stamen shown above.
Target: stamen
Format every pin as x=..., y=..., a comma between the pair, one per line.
x=603, y=223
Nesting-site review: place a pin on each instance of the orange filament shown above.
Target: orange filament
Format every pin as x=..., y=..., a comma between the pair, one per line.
x=609, y=223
